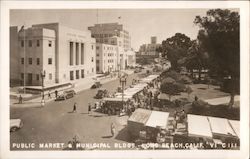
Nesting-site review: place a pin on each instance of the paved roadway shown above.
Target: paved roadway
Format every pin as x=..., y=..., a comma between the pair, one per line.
x=55, y=123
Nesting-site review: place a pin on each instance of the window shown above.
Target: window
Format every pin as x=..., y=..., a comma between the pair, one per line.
x=49, y=61
x=92, y=70
x=70, y=53
x=82, y=53
x=37, y=77
x=82, y=73
x=22, y=61
x=30, y=43
x=77, y=54
x=22, y=43
x=50, y=76
x=22, y=76
x=97, y=47
x=97, y=54
x=38, y=43
x=38, y=61
x=50, y=43
x=71, y=75
x=92, y=59
x=30, y=61
x=97, y=61
x=92, y=46
x=77, y=74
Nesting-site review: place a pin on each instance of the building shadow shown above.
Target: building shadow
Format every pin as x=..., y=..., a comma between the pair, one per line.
x=123, y=135
x=108, y=136
x=84, y=113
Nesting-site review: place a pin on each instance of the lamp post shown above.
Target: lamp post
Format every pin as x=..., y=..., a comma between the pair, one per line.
x=123, y=82
x=43, y=74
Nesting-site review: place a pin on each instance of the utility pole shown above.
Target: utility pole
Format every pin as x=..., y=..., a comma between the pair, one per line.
x=123, y=82
x=43, y=74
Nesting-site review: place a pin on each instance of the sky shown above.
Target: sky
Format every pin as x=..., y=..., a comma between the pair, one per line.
x=141, y=23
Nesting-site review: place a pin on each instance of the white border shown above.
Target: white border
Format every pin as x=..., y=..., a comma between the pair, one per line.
x=4, y=83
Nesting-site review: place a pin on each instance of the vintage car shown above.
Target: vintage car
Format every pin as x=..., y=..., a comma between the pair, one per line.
x=101, y=94
x=66, y=95
x=15, y=124
x=96, y=85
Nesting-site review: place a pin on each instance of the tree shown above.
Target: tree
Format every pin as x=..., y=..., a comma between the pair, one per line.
x=175, y=48
x=170, y=88
x=219, y=36
x=197, y=58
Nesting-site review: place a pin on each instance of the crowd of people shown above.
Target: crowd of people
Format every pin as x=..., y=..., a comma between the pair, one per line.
x=143, y=99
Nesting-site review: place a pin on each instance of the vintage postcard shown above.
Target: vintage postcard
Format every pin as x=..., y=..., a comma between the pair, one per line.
x=123, y=79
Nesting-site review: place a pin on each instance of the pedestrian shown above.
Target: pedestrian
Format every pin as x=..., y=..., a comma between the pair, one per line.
x=49, y=95
x=20, y=99
x=112, y=129
x=56, y=93
x=89, y=109
x=42, y=103
x=196, y=98
x=74, y=108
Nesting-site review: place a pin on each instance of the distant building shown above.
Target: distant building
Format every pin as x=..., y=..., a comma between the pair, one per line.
x=64, y=53
x=106, y=33
x=150, y=49
x=106, y=58
x=113, y=34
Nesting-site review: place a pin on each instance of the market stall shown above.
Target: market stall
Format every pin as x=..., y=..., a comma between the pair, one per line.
x=199, y=127
x=113, y=106
x=221, y=129
x=137, y=121
x=158, y=119
x=235, y=124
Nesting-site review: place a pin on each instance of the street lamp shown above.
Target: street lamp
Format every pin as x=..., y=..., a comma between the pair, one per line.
x=43, y=74
x=123, y=81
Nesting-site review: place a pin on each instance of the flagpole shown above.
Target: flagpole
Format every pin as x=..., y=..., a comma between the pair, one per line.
x=24, y=60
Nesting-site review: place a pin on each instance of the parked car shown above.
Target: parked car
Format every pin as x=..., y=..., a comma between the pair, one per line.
x=15, y=124
x=66, y=95
x=137, y=70
x=96, y=85
x=101, y=94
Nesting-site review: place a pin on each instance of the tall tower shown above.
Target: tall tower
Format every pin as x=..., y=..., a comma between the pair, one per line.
x=153, y=40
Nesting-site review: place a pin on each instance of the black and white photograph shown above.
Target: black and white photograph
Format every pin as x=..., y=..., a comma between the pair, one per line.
x=127, y=79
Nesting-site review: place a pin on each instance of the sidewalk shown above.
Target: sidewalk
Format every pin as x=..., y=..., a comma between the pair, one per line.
x=222, y=100
x=79, y=86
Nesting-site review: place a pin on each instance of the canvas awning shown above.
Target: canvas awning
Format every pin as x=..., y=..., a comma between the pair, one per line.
x=198, y=126
x=115, y=99
x=221, y=126
x=158, y=119
x=140, y=116
x=235, y=124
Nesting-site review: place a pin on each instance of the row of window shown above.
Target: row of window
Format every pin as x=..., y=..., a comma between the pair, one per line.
x=37, y=76
x=30, y=43
x=110, y=61
x=77, y=74
x=108, y=48
x=102, y=35
x=30, y=61
x=105, y=41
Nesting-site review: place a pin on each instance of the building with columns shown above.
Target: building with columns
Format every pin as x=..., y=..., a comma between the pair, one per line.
x=65, y=54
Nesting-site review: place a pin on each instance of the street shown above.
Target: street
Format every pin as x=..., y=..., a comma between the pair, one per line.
x=55, y=123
